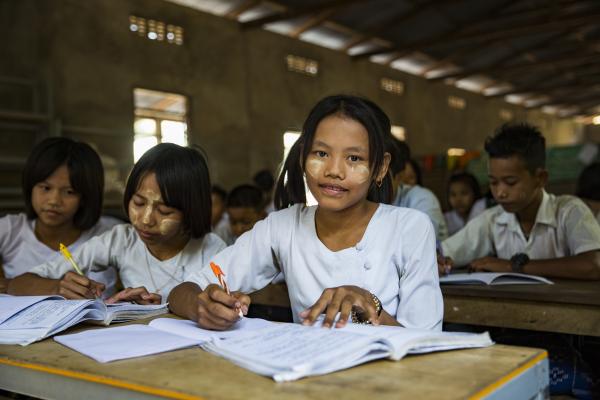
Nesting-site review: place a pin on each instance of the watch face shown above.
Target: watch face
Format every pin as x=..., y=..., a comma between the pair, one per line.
x=518, y=261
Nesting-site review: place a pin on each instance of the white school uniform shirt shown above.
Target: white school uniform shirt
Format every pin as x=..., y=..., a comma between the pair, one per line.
x=395, y=260
x=455, y=223
x=123, y=249
x=21, y=250
x=422, y=199
x=564, y=226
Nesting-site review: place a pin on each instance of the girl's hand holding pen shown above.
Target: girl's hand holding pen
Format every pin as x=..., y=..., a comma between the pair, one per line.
x=75, y=286
x=218, y=310
x=139, y=295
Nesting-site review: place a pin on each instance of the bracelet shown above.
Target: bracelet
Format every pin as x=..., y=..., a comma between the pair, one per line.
x=357, y=317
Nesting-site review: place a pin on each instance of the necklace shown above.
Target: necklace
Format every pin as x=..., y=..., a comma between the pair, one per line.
x=172, y=277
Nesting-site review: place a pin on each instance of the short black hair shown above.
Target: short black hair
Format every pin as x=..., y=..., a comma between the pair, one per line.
x=86, y=175
x=522, y=140
x=219, y=191
x=588, y=183
x=184, y=182
x=400, y=153
x=245, y=196
x=264, y=180
x=468, y=179
x=290, y=184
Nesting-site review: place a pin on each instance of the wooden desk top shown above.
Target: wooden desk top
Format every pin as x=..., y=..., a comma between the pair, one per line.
x=195, y=374
x=563, y=291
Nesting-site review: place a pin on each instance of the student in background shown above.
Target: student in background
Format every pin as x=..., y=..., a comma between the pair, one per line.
x=351, y=254
x=168, y=202
x=218, y=195
x=265, y=182
x=63, y=183
x=245, y=207
x=416, y=197
x=588, y=188
x=411, y=175
x=530, y=231
x=219, y=216
x=464, y=198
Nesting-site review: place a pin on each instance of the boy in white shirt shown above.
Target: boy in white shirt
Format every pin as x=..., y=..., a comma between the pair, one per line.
x=529, y=231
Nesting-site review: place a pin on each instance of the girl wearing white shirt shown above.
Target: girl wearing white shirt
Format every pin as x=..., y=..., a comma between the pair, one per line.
x=350, y=255
x=167, y=198
x=63, y=183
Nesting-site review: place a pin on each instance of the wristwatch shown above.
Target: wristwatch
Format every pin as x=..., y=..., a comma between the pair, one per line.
x=518, y=262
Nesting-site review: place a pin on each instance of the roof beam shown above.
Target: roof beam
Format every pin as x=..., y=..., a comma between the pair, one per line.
x=235, y=12
x=575, y=20
x=299, y=12
x=311, y=23
x=543, y=89
x=573, y=54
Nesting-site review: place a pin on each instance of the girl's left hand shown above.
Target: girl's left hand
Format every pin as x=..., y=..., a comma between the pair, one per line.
x=341, y=299
x=139, y=295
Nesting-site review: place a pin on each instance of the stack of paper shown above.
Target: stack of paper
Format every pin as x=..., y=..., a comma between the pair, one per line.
x=26, y=319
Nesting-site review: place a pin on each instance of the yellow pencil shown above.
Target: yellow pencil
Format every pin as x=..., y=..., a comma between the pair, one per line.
x=67, y=254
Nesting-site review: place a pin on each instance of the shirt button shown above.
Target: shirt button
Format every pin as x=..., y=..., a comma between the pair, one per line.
x=367, y=266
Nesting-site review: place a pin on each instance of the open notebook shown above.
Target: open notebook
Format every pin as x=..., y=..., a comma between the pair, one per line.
x=282, y=351
x=493, y=278
x=26, y=319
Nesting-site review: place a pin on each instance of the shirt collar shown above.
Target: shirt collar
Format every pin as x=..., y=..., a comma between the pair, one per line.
x=546, y=214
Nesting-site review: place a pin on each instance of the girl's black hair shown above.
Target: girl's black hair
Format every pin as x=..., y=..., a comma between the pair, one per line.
x=363, y=111
x=85, y=174
x=469, y=180
x=182, y=176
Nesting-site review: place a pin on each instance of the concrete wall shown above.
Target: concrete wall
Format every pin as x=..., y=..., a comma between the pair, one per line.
x=242, y=97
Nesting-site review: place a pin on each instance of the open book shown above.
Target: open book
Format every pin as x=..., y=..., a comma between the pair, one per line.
x=493, y=278
x=26, y=319
x=282, y=351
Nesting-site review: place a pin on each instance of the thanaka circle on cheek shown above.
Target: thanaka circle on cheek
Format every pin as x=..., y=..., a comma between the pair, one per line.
x=169, y=226
x=360, y=173
x=314, y=168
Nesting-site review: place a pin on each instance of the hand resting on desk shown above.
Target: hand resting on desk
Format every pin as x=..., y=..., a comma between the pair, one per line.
x=139, y=295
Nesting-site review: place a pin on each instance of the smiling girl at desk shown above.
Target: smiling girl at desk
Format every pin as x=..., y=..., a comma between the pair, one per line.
x=351, y=254
x=167, y=198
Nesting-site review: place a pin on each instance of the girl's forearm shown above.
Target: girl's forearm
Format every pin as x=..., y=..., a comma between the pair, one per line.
x=32, y=285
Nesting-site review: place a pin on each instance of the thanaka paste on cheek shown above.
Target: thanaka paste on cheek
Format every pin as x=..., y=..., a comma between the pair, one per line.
x=314, y=168
x=359, y=174
x=169, y=227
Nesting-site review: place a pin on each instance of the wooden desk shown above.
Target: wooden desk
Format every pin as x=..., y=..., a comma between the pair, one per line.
x=49, y=370
x=566, y=307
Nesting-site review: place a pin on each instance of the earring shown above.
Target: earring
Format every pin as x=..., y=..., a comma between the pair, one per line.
x=379, y=182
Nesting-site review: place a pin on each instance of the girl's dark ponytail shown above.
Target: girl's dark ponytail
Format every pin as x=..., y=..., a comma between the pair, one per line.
x=290, y=184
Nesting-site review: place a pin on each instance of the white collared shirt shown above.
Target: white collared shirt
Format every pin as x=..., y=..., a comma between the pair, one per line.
x=564, y=226
x=123, y=249
x=395, y=260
